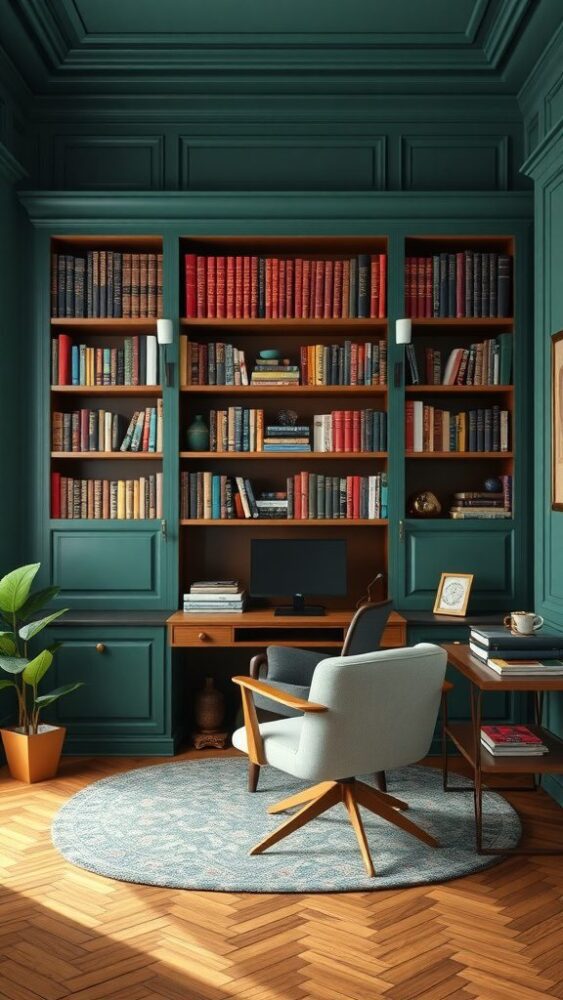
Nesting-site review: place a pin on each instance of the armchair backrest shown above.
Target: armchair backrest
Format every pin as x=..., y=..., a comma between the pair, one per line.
x=366, y=628
x=381, y=713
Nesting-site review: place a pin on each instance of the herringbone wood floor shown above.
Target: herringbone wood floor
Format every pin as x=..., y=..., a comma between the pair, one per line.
x=65, y=933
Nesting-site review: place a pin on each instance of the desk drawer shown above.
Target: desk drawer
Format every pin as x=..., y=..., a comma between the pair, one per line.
x=193, y=635
x=394, y=635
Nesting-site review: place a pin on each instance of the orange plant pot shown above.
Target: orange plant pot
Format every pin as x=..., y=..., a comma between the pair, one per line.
x=33, y=757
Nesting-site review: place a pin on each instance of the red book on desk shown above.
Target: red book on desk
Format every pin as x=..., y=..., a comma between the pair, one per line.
x=502, y=735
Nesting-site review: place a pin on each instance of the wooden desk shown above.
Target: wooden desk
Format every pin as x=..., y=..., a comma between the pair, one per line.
x=466, y=736
x=257, y=629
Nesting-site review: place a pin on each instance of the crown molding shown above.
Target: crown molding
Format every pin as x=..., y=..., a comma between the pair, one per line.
x=547, y=67
x=547, y=154
x=11, y=169
x=503, y=29
x=152, y=210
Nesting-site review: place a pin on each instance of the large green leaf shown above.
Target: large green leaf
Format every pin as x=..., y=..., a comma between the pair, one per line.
x=13, y=664
x=15, y=586
x=37, y=668
x=7, y=644
x=33, y=628
x=47, y=699
x=37, y=601
x=7, y=684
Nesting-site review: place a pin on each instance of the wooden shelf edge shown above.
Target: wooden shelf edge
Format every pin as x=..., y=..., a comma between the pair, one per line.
x=128, y=455
x=461, y=321
x=285, y=390
x=104, y=322
x=293, y=455
x=286, y=324
x=459, y=454
x=284, y=523
x=108, y=390
x=454, y=389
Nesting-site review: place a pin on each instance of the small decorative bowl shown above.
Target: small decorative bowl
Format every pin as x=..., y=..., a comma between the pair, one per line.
x=270, y=354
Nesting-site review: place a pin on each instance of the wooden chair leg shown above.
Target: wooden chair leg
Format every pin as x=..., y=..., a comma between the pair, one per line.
x=380, y=781
x=253, y=775
x=349, y=800
x=309, y=811
x=390, y=800
x=375, y=804
x=299, y=799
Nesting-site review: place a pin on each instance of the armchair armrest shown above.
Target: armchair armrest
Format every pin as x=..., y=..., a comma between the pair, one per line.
x=253, y=735
x=269, y=691
x=256, y=663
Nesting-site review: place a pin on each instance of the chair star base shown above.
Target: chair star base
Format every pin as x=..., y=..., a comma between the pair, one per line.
x=352, y=793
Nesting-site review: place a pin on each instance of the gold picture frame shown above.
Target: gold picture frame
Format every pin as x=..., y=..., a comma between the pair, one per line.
x=452, y=597
x=557, y=421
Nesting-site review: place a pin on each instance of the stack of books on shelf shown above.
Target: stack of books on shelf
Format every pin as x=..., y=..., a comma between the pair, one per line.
x=136, y=363
x=458, y=285
x=145, y=430
x=481, y=505
x=486, y=363
x=287, y=437
x=289, y=287
x=308, y=496
x=344, y=364
x=236, y=429
x=106, y=284
x=215, y=597
x=350, y=431
x=512, y=741
x=106, y=499
x=275, y=372
x=514, y=655
x=429, y=429
x=216, y=363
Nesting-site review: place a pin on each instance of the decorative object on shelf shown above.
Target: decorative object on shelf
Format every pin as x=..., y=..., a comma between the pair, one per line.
x=270, y=354
x=209, y=717
x=453, y=594
x=197, y=434
x=403, y=331
x=424, y=504
x=287, y=418
x=493, y=485
x=165, y=335
x=557, y=419
x=32, y=750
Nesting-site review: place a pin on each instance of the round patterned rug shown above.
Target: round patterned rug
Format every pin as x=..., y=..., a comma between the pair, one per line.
x=191, y=824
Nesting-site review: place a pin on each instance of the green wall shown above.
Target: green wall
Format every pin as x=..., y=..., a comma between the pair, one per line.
x=542, y=103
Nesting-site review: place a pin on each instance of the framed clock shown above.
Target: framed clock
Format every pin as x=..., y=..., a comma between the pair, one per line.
x=453, y=594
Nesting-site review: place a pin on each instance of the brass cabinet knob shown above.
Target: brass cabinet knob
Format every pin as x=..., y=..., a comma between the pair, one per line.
x=203, y=636
x=100, y=647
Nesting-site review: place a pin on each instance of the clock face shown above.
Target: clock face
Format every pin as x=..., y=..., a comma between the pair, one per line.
x=452, y=594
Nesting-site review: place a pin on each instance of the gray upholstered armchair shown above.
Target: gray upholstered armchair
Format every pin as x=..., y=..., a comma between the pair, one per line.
x=291, y=670
x=366, y=713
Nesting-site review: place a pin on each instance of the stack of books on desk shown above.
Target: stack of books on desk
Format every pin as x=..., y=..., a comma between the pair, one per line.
x=215, y=596
x=512, y=741
x=511, y=655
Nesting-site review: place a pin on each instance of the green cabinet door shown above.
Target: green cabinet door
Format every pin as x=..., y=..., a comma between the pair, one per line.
x=124, y=705
x=507, y=707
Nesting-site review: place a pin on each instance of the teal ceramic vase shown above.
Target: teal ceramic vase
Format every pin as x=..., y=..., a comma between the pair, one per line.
x=198, y=435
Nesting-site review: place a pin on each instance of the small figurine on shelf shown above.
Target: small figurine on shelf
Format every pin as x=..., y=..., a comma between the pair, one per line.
x=209, y=717
x=492, y=485
x=424, y=504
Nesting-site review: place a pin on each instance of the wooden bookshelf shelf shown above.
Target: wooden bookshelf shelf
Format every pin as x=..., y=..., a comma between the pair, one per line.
x=459, y=454
x=265, y=522
x=117, y=325
x=108, y=390
x=289, y=326
x=286, y=390
x=292, y=455
x=127, y=455
x=468, y=322
x=453, y=390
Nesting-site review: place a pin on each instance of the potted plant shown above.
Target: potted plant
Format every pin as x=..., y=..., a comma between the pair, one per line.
x=33, y=750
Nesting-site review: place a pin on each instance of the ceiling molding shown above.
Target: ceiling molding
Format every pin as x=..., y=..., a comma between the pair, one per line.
x=504, y=28
x=547, y=154
x=548, y=66
x=46, y=208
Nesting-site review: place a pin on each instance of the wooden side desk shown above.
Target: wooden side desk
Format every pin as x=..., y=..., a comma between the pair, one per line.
x=257, y=629
x=466, y=736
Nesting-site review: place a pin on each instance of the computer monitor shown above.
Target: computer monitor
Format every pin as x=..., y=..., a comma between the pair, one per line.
x=298, y=567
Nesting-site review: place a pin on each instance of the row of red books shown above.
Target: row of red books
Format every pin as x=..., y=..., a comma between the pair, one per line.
x=253, y=287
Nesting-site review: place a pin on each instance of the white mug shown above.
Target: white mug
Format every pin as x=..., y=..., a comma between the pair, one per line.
x=524, y=622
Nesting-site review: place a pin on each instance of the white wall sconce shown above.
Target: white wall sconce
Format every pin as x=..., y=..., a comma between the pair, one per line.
x=403, y=331
x=165, y=335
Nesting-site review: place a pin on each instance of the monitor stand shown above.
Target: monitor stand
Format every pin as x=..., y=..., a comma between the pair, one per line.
x=300, y=608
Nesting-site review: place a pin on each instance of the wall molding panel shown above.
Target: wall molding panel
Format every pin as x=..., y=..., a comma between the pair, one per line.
x=455, y=162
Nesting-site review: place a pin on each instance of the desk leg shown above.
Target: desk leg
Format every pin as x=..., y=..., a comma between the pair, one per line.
x=445, y=741
x=477, y=782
